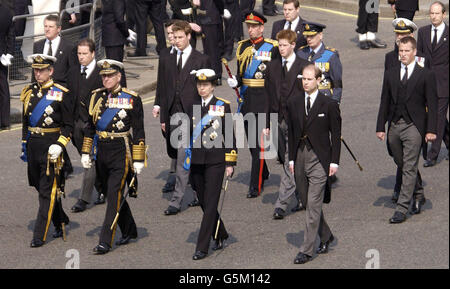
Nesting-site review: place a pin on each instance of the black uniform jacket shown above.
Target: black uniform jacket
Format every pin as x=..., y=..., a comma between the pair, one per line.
x=438, y=57
x=218, y=132
x=66, y=57
x=274, y=90
x=322, y=128
x=6, y=31
x=114, y=26
x=421, y=102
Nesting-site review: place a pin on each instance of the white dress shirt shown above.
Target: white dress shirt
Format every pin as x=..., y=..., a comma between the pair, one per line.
x=293, y=24
x=440, y=31
x=410, y=69
x=290, y=60
x=206, y=101
x=55, y=45
x=186, y=53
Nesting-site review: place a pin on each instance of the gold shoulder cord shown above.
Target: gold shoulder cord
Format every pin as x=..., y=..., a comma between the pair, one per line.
x=94, y=110
x=245, y=58
x=25, y=97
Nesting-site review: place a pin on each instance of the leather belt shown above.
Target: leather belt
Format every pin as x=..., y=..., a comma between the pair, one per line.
x=42, y=130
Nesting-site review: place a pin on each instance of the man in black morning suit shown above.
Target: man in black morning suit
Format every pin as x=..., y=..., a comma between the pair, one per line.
x=281, y=84
x=409, y=106
x=81, y=81
x=213, y=153
x=292, y=21
x=177, y=89
x=432, y=42
x=60, y=48
x=402, y=28
x=314, y=152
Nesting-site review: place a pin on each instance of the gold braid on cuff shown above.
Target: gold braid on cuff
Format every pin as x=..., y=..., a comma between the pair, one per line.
x=139, y=152
x=87, y=145
x=231, y=157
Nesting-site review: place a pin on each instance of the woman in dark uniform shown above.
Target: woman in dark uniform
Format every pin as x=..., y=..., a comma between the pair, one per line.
x=210, y=156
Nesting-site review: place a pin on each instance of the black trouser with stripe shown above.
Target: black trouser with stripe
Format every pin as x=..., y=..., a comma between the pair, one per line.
x=113, y=168
x=367, y=20
x=207, y=180
x=49, y=207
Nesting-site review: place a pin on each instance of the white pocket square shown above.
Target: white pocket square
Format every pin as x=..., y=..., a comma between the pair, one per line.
x=321, y=115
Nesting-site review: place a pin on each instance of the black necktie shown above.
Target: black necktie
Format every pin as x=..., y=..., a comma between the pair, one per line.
x=289, y=25
x=284, y=68
x=180, y=62
x=405, y=76
x=83, y=72
x=308, y=105
x=311, y=55
x=434, y=43
x=50, y=50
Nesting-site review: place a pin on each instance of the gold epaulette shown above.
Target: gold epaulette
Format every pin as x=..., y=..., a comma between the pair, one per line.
x=61, y=87
x=300, y=48
x=23, y=94
x=98, y=90
x=224, y=100
x=330, y=48
x=132, y=92
x=238, y=50
x=271, y=41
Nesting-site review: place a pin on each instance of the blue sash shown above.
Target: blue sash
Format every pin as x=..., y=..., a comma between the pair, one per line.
x=251, y=69
x=104, y=121
x=325, y=57
x=36, y=115
x=195, y=134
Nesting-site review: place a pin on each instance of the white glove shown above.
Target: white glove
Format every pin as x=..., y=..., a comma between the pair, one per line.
x=132, y=37
x=6, y=59
x=226, y=14
x=187, y=11
x=138, y=166
x=232, y=82
x=86, y=161
x=54, y=151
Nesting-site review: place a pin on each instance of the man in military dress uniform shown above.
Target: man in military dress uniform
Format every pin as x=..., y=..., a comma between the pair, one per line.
x=324, y=57
x=113, y=112
x=211, y=155
x=46, y=128
x=253, y=56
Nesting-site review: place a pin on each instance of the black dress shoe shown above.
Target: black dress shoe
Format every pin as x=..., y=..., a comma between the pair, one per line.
x=58, y=233
x=297, y=208
x=80, y=206
x=398, y=218
x=364, y=45
x=429, y=163
x=101, y=249
x=417, y=206
x=100, y=199
x=395, y=196
x=194, y=203
x=36, y=243
x=302, y=258
x=168, y=187
x=377, y=43
x=323, y=247
x=129, y=54
x=278, y=214
x=125, y=240
x=199, y=255
x=252, y=193
x=218, y=245
x=171, y=211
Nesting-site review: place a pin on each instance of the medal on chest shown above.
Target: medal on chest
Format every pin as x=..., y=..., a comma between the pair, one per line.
x=119, y=102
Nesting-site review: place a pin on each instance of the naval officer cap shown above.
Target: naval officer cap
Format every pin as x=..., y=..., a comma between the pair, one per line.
x=109, y=66
x=206, y=75
x=403, y=25
x=312, y=28
x=41, y=61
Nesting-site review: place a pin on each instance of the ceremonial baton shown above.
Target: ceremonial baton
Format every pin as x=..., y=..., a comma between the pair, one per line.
x=351, y=153
x=123, y=201
x=225, y=63
x=221, y=206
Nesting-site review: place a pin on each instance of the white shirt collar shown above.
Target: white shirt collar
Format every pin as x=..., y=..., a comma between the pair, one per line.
x=89, y=68
x=317, y=49
x=186, y=52
x=293, y=23
x=313, y=98
x=410, y=69
x=206, y=101
x=440, y=28
x=290, y=60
